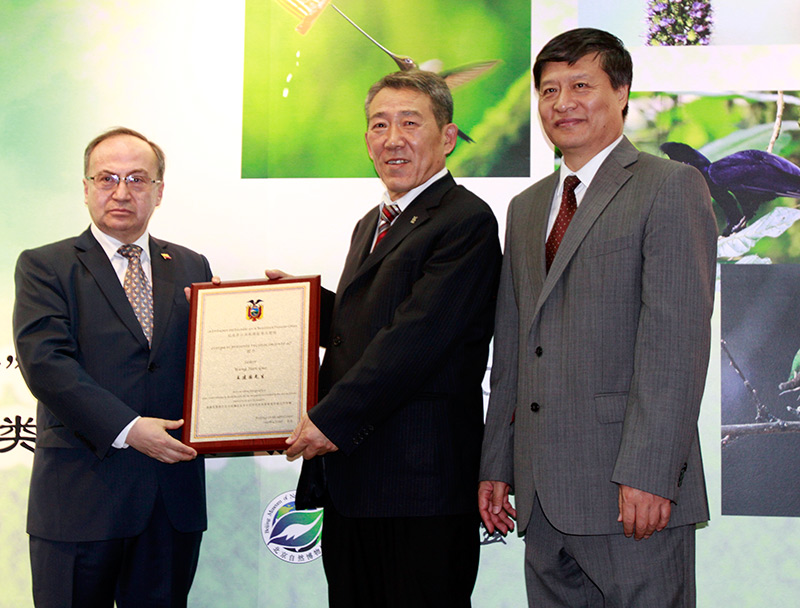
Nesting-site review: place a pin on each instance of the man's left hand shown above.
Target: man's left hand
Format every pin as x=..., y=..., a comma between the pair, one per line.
x=308, y=441
x=149, y=436
x=642, y=513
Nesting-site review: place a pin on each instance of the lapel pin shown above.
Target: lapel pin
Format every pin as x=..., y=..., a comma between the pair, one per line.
x=166, y=256
x=414, y=220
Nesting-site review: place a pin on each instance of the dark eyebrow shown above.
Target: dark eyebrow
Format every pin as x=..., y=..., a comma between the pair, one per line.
x=550, y=82
x=402, y=113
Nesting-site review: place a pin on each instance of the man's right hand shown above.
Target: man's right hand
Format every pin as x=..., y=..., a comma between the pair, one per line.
x=150, y=437
x=188, y=290
x=495, y=509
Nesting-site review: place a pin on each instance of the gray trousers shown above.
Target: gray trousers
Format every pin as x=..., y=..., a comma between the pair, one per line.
x=571, y=571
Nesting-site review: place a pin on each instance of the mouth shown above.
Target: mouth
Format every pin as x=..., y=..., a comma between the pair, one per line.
x=568, y=122
x=397, y=161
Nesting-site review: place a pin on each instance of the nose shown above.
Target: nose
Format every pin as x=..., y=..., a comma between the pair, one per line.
x=564, y=101
x=394, y=137
x=121, y=190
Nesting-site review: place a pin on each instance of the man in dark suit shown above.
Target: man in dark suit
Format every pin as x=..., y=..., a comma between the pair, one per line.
x=601, y=351
x=117, y=503
x=400, y=416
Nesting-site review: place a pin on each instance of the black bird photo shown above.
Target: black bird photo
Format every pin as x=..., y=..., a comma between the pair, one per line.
x=742, y=181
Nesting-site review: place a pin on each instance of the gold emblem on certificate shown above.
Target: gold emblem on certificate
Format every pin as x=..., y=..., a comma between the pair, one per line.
x=255, y=310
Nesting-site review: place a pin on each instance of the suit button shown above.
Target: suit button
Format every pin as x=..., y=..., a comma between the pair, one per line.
x=534, y=407
x=152, y=367
x=337, y=341
x=539, y=351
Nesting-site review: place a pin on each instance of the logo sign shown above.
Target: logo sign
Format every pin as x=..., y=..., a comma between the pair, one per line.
x=254, y=310
x=291, y=535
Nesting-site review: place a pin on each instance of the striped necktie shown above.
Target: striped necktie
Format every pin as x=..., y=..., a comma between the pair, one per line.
x=388, y=213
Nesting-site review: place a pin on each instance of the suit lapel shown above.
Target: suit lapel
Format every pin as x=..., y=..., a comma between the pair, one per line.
x=163, y=267
x=534, y=219
x=95, y=260
x=611, y=176
x=359, y=247
x=414, y=216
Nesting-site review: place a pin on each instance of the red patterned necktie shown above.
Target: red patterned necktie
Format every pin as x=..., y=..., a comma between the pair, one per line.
x=388, y=213
x=137, y=288
x=568, y=207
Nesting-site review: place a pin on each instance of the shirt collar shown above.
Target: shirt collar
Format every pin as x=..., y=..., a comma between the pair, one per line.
x=110, y=244
x=589, y=170
x=405, y=200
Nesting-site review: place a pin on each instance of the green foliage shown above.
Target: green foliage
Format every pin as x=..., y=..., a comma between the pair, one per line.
x=691, y=119
x=503, y=137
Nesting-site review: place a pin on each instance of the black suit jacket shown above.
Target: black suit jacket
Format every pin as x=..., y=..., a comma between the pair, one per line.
x=407, y=343
x=86, y=360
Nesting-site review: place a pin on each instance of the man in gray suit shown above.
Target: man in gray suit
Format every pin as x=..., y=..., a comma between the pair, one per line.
x=601, y=350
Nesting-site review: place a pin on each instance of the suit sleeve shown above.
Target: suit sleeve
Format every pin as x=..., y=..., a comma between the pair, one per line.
x=497, y=455
x=327, y=298
x=458, y=283
x=44, y=335
x=673, y=336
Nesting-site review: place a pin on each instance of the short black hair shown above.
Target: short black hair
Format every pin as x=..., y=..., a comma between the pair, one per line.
x=432, y=85
x=570, y=46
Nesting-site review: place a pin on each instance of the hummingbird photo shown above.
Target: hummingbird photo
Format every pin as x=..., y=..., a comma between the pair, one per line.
x=454, y=77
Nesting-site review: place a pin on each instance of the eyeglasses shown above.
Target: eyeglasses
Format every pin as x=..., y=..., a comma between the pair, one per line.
x=136, y=182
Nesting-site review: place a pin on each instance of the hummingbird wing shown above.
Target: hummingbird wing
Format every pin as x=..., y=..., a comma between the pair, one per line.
x=432, y=65
x=466, y=73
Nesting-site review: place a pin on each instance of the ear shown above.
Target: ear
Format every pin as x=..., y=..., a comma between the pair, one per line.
x=450, y=134
x=160, y=193
x=369, y=150
x=623, y=93
x=85, y=191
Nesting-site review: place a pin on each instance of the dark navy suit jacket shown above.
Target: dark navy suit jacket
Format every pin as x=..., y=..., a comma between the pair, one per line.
x=407, y=338
x=86, y=360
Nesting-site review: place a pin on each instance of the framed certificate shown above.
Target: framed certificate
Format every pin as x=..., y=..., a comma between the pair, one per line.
x=252, y=363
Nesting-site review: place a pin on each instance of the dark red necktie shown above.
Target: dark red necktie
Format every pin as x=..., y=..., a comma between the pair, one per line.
x=568, y=207
x=388, y=213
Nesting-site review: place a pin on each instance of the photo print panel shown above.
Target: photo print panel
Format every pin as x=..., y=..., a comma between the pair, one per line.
x=747, y=146
x=760, y=388
x=309, y=64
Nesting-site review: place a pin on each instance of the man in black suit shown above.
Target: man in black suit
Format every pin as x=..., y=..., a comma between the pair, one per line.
x=117, y=503
x=400, y=416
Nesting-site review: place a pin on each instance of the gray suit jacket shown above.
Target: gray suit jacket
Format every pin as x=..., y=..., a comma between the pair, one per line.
x=600, y=364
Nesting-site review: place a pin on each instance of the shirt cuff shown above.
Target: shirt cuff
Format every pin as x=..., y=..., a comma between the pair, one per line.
x=121, y=441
